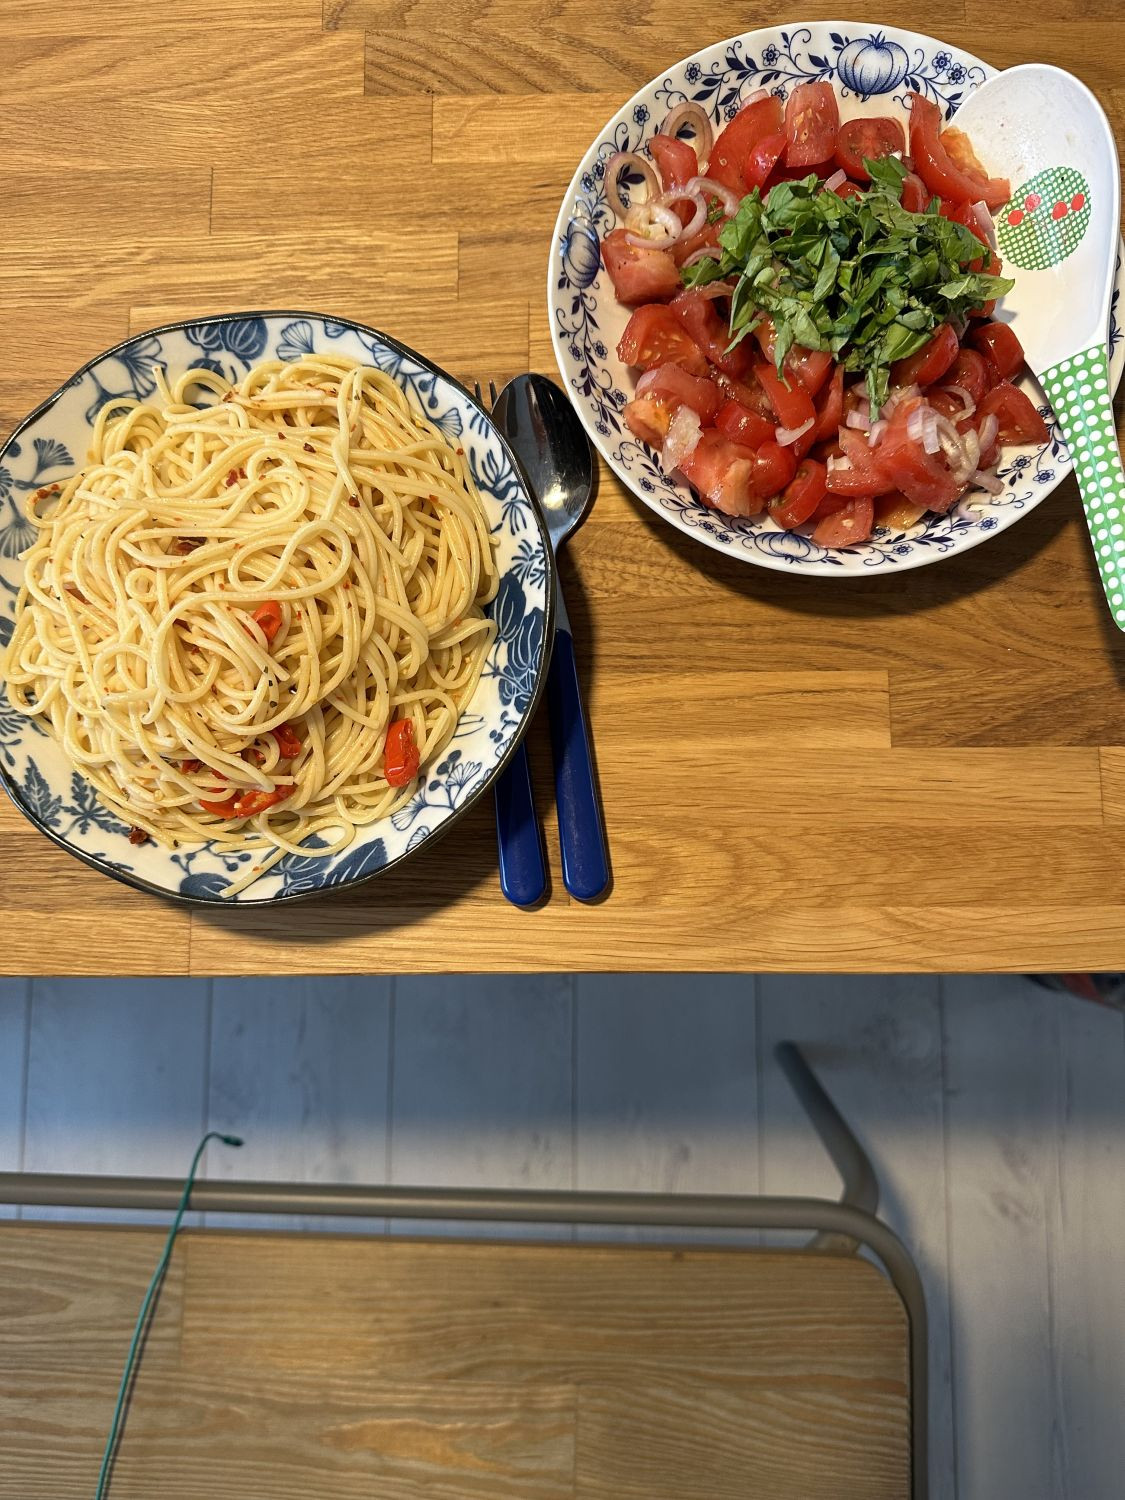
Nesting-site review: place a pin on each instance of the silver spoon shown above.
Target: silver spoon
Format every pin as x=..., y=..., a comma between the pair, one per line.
x=554, y=452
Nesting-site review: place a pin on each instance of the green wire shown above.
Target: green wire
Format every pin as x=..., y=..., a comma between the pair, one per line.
x=146, y=1306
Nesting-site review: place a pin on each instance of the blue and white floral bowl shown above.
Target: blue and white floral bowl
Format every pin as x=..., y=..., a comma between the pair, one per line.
x=872, y=72
x=46, y=447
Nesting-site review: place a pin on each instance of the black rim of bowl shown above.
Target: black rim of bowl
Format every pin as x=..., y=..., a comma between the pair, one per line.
x=457, y=815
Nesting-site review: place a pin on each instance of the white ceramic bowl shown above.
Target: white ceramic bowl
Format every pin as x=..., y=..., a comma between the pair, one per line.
x=45, y=447
x=872, y=73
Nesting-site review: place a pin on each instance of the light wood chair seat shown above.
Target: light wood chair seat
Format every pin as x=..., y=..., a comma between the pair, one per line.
x=312, y=1366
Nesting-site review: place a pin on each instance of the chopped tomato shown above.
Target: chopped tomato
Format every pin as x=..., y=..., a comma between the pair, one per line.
x=810, y=366
x=812, y=121
x=639, y=275
x=247, y=804
x=676, y=160
x=830, y=412
x=219, y=807
x=897, y=512
x=873, y=137
x=268, y=617
x=747, y=392
x=801, y=496
x=999, y=346
x=655, y=336
x=938, y=168
x=946, y=404
x=673, y=384
x=848, y=526
x=762, y=160
x=706, y=238
x=190, y=766
x=1018, y=419
x=966, y=214
x=288, y=741
x=721, y=472
x=699, y=316
x=915, y=196
x=648, y=419
x=930, y=363
x=400, y=756
x=792, y=404
x=970, y=372
x=923, y=478
x=751, y=124
x=864, y=474
x=774, y=468
x=744, y=426
x=848, y=190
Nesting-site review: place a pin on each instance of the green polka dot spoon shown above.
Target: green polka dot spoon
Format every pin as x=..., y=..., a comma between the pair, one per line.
x=1058, y=237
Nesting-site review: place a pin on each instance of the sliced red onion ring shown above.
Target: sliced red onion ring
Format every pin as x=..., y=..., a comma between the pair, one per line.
x=713, y=189
x=613, y=173
x=877, y=430
x=988, y=430
x=859, y=420
x=921, y=427
x=787, y=436
x=683, y=435
x=838, y=463
x=985, y=222
x=698, y=202
x=900, y=395
x=695, y=116
x=963, y=396
x=647, y=380
x=715, y=289
x=705, y=252
x=645, y=215
x=755, y=96
x=984, y=480
x=836, y=180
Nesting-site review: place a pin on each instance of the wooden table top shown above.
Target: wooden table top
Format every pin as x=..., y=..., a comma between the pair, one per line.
x=922, y=771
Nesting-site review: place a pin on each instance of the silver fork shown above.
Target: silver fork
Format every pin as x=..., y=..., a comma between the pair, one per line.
x=523, y=877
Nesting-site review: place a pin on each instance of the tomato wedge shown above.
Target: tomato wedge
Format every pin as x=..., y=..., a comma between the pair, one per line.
x=774, y=469
x=763, y=158
x=639, y=275
x=872, y=138
x=864, y=475
x=1018, y=419
x=672, y=384
x=802, y=495
x=930, y=362
x=937, y=167
x=830, y=412
x=810, y=366
x=970, y=372
x=897, y=512
x=848, y=526
x=648, y=418
x=744, y=426
x=848, y=190
x=655, y=336
x=401, y=758
x=288, y=741
x=812, y=123
x=721, y=472
x=750, y=125
x=676, y=160
x=792, y=404
x=698, y=315
x=915, y=194
x=999, y=346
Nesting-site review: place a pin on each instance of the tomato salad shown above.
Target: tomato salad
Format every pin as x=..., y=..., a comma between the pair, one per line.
x=813, y=313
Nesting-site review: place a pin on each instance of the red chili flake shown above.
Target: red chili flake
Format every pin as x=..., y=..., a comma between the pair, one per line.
x=231, y=478
x=354, y=500
x=227, y=396
x=254, y=756
x=347, y=585
x=281, y=435
x=76, y=594
x=138, y=836
x=460, y=452
x=185, y=544
x=308, y=447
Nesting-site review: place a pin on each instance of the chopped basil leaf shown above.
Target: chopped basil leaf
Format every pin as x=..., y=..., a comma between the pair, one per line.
x=858, y=277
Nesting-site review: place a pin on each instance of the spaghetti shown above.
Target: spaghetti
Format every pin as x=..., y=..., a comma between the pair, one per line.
x=251, y=623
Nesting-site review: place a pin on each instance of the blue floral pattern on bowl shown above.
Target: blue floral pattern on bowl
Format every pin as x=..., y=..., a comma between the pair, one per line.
x=45, y=448
x=586, y=320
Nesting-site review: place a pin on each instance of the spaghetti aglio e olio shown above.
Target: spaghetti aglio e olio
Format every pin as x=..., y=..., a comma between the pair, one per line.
x=250, y=623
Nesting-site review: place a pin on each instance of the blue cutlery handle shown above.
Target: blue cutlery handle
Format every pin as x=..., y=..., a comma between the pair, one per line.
x=581, y=833
x=523, y=878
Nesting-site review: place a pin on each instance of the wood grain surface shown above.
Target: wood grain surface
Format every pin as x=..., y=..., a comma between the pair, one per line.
x=921, y=771
x=284, y=1366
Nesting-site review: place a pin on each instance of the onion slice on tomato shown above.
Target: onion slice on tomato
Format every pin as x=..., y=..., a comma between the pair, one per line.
x=713, y=189
x=683, y=435
x=921, y=427
x=963, y=396
x=652, y=214
x=836, y=180
x=787, y=436
x=698, y=203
